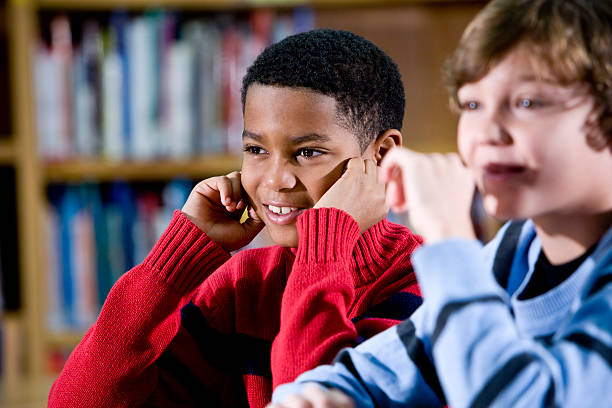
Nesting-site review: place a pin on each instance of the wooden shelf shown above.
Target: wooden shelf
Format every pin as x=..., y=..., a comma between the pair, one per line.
x=99, y=170
x=68, y=339
x=7, y=150
x=223, y=4
x=25, y=392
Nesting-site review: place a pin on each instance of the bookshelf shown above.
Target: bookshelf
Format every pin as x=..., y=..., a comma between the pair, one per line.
x=7, y=150
x=100, y=170
x=417, y=34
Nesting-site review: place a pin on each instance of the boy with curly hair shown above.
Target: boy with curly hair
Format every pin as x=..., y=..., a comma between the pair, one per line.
x=194, y=326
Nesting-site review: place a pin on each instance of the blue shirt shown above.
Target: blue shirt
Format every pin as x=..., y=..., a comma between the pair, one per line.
x=474, y=343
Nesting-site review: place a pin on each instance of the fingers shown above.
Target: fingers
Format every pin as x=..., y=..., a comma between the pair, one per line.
x=391, y=172
x=316, y=397
x=327, y=398
x=230, y=191
x=393, y=162
x=253, y=224
x=355, y=165
x=358, y=165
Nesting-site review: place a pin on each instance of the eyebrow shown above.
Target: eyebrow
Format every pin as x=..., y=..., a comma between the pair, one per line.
x=308, y=138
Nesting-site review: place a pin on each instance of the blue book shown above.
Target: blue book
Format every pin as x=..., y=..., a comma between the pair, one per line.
x=103, y=261
x=119, y=23
x=68, y=209
x=121, y=211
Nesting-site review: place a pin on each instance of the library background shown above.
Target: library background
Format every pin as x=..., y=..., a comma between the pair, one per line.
x=111, y=110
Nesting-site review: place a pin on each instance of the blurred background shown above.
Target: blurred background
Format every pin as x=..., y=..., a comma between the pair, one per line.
x=111, y=110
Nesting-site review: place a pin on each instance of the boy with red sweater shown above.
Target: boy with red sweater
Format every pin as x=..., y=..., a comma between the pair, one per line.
x=194, y=326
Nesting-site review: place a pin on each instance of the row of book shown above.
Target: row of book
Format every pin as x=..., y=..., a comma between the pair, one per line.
x=158, y=84
x=96, y=232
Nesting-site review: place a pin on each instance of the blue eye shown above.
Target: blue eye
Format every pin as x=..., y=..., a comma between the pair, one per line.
x=526, y=103
x=470, y=105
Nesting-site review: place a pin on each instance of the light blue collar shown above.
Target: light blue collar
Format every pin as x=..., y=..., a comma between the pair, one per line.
x=544, y=314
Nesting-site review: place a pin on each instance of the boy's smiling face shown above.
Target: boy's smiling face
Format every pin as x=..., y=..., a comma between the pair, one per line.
x=294, y=151
x=525, y=141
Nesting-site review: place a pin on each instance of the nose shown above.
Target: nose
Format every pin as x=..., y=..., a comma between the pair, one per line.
x=494, y=128
x=279, y=175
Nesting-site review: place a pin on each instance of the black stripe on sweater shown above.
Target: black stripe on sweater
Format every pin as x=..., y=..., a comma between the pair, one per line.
x=502, y=264
x=398, y=306
x=591, y=344
x=344, y=358
x=194, y=388
x=416, y=352
x=453, y=307
x=228, y=353
x=600, y=283
x=501, y=379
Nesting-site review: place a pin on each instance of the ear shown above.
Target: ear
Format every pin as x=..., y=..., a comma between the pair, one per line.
x=385, y=142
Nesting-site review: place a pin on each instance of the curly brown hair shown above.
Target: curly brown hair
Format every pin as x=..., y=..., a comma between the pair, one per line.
x=568, y=40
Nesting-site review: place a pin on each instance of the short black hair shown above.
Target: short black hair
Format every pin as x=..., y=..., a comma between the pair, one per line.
x=364, y=81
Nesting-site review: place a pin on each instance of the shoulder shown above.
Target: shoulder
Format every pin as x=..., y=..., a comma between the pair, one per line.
x=600, y=283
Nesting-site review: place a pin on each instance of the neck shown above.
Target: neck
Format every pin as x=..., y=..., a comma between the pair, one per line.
x=566, y=238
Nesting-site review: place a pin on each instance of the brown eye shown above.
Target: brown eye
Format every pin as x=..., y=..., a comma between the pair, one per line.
x=254, y=150
x=309, y=153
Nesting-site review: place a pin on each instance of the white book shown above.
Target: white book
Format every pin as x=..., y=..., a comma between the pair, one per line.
x=208, y=106
x=144, y=140
x=61, y=50
x=179, y=126
x=113, y=138
x=47, y=104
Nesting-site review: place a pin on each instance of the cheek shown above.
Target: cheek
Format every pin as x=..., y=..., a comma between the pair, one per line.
x=248, y=179
x=464, y=143
x=318, y=182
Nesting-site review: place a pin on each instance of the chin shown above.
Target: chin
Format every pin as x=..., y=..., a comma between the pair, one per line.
x=288, y=239
x=501, y=210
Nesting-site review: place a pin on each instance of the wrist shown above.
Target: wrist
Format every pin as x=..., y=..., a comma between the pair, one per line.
x=438, y=232
x=326, y=234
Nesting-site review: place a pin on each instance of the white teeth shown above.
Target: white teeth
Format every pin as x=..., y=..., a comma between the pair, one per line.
x=281, y=210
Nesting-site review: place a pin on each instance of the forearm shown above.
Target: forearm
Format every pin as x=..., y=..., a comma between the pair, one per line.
x=391, y=369
x=320, y=289
x=113, y=364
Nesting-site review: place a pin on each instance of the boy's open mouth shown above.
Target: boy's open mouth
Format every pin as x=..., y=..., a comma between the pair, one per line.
x=281, y=214
x=501, y=174
x=495, y=168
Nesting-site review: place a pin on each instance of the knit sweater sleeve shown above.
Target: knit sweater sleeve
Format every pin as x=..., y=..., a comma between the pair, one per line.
x=314, y=323
x=113, y=366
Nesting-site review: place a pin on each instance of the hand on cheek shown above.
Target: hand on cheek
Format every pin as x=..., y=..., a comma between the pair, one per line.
x=437, y=190
x=358, y=192
x=216, y=204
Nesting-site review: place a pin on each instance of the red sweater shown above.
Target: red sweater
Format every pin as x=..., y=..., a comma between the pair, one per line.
x=192, y=326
